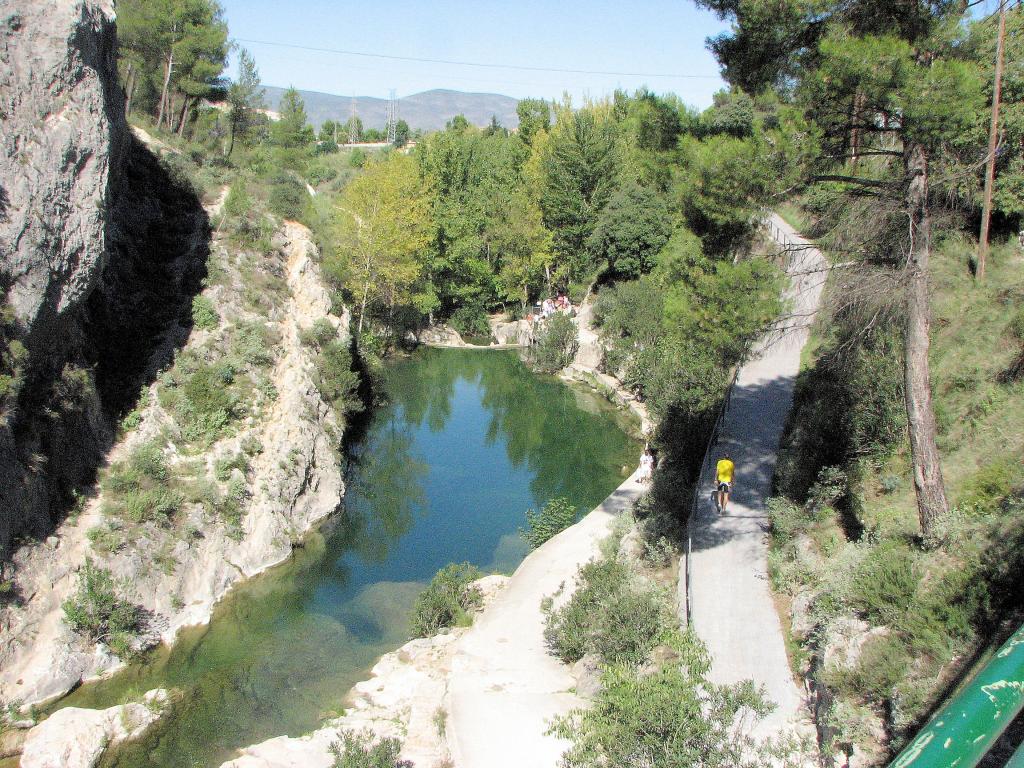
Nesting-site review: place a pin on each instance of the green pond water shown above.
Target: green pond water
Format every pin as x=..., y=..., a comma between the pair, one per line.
x=467, y=442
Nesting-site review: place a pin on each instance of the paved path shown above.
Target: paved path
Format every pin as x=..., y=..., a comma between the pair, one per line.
x=505, y=686
x=731, y=602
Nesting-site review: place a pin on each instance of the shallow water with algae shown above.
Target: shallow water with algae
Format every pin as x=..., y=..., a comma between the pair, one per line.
x=466, y=443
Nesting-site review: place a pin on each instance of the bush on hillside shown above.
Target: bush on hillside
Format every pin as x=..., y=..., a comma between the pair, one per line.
x=204, y=316
x=556, y=344
x=847, y=407
x=471, y=321
x=138, y=489
x=336, y=378
x=447, y=601
x=289, y=198
x=99, y=613
x=555, y=516
x=361, y=750
x=670, y=717
x=885, y=583
x=607, y=615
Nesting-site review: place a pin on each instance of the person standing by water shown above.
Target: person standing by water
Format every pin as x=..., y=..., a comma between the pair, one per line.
x=646, y=465
x=724, y=471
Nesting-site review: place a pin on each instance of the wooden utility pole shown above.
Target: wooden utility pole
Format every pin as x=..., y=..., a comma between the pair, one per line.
x=990, y=165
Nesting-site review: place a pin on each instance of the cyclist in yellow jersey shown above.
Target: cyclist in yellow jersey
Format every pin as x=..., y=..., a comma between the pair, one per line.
x=723, y=476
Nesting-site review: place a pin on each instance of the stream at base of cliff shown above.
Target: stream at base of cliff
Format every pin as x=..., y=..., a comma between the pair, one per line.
x=466, y=443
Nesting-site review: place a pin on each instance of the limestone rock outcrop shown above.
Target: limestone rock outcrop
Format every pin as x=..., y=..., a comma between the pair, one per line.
x=76, y=738
x=298, y=482
x=63, y=134
x=404, y=698
x=62, y=137
x=99, y=251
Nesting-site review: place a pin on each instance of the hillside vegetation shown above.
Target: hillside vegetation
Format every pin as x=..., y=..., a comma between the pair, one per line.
x=880, y=622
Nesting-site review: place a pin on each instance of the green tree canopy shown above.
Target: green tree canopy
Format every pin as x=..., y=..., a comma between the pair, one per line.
x=384, y=225
x=631, y=230
x=291, y=131
x=534, y=115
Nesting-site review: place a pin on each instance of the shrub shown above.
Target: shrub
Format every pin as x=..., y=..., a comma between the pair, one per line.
x=231, y=505
x=556, y=516
x=883, y=663
x=787, y=520
x=471, y=321
x=665, y=719
x=206, y=404
x=335, y=379
x=357, y=158
x=319, y=334
x=359, y=750
x=319, y=173
x=884, y=584
x=631, y=625
x=148, y=461
x=447, y=600
x=252, y=342
x=99, y=613
x=138, y=489
x=606, y=615
x=556, y=344
x=289, y=198
x=155, y=505
x=204, y=316
x=223, y=466
x=106, y=538
x=659, y=552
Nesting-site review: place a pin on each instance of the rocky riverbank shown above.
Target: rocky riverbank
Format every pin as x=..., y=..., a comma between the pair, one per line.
x=474, y=696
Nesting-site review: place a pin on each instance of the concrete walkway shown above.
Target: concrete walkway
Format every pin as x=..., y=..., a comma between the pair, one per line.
x=731, y=601
x=505, y=687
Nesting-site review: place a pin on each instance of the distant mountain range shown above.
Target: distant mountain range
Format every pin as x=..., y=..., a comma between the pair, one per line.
x=427, y=111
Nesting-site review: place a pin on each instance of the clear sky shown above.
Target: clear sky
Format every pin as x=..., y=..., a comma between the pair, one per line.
x=651, y=37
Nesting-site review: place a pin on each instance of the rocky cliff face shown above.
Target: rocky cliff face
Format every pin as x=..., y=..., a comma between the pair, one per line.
x=99, y=250
x=279, y=471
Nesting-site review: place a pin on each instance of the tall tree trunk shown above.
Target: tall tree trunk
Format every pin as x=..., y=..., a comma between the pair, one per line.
x=928, y=484
x=184, y=115
x=164, y=105
x=855, y=132
x=169, y=112
x=362, y=309
x=129, y=89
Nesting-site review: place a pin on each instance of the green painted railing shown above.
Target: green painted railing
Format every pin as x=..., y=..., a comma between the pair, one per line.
x=967, y=726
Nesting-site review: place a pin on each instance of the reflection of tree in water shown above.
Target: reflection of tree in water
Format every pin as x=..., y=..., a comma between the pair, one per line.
x=565, y=448
x=569, y=451
x=278, y=649
x=385, y=492
x=426, y=387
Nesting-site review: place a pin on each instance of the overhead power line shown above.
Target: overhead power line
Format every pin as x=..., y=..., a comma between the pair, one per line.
x=485, y=65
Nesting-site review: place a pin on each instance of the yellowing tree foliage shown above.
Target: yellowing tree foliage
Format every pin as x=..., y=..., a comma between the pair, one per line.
x=384, y=224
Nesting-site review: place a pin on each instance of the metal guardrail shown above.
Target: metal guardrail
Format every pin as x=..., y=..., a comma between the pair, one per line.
x=964, y=730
